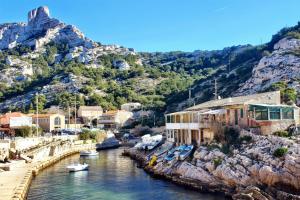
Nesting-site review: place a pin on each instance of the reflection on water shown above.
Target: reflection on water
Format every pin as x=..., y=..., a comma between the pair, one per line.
x=110, y=177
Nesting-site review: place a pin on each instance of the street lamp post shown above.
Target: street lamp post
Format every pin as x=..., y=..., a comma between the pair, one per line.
x=37, y=114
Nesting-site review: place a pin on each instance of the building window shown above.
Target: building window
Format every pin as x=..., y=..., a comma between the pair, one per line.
x=274, y=113
x=57, y=121
x=185, y=118
x=287, y=113
x=261, y=113
x=242, y=113
x=168, y=119
x=177, y=118
x=172, y=118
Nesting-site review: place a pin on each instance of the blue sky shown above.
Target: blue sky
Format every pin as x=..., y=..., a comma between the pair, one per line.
x=167, y=25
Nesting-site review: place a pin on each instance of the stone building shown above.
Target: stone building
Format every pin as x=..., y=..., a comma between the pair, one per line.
x=115, y=119
x=11, y=121
x=49, y=122
x=262, y=113
x=89, y=113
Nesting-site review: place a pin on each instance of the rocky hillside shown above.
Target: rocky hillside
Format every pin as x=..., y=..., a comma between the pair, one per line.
x=47, y=56
x=283, y=64
x=56, y=60
x=255, y=168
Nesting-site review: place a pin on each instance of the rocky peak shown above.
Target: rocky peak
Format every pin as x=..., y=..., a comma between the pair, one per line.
x=40, y=13
x=40, y=30
x=40, y=19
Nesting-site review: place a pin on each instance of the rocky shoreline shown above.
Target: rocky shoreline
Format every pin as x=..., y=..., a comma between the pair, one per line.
x=140, y=158
x=251, y=172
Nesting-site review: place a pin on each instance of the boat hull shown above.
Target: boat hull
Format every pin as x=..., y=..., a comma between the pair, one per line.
x=77, y=168
x=89, y=154
x=110, y=146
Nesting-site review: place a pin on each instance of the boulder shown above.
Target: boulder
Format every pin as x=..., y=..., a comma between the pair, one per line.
x=187, y=170
x=267, y=175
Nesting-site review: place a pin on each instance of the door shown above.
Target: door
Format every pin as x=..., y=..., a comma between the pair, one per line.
x=236, y=117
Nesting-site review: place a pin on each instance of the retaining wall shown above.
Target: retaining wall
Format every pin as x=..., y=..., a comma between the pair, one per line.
x=23, y=187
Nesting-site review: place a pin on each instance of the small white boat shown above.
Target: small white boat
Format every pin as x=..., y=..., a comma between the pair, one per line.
x=186, y=152
x=78, y=167
x=88, y=153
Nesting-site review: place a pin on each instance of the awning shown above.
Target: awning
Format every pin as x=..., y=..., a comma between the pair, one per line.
x=215, y=112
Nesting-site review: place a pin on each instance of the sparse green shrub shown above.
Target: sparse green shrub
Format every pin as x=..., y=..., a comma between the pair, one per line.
x=217, y=162
x=92, y=135
x=246, y=138
x=280, y=152
x=24, y=132
x=281, y=133
x=212, y=147
x=288, y=95
x=225, y=149
x=84, y=136
x=231, y=136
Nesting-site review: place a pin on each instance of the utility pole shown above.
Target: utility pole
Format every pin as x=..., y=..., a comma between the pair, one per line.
x=216, y=89
x=37, y=114
x=153, y=111
x=69, y=115
x=75, y=113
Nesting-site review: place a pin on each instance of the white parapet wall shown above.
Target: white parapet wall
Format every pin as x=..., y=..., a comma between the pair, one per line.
x=194, y=126
x=4, y=149
x=22, y=144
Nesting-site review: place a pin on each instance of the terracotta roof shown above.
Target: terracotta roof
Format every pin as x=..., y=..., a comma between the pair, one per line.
x=43, y=115
x=111, y=112
x=4, y=119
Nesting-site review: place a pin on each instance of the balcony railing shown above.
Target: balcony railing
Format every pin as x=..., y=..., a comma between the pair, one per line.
x=201, y=124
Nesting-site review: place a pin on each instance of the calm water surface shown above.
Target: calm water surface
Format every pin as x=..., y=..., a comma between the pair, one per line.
x=110, y=177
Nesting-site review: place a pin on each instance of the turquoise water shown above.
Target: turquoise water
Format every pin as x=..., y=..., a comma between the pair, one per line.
x=110, y=177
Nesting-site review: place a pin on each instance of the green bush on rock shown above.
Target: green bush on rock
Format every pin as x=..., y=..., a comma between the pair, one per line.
x=280, y=152
x=246, y=138
x=95, y=136
x=217, y=162
x=281, y=133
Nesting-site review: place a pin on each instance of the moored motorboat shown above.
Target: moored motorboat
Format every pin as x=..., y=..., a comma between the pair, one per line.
x=186, y=152
x=88, y=153
x=163, y=149
x=155, y=141
x=130, y=140
x=149, y=142
x=146, y=139
x=174, y=153
x=77, y=167
x=109, y=143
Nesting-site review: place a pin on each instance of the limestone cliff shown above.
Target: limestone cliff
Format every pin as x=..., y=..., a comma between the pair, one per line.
x=40, y=30
x=283, y=64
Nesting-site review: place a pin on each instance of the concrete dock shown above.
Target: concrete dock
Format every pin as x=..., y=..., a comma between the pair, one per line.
x=14, y=184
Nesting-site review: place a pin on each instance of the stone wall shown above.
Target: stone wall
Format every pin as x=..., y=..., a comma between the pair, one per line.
x=273, y=126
